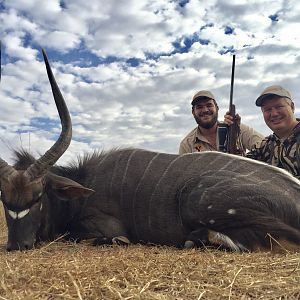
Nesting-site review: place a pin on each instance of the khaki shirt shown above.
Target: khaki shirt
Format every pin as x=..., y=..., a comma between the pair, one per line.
x=280, y=153
x=196, y=142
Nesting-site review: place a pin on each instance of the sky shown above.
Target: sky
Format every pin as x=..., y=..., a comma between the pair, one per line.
x=128, y=69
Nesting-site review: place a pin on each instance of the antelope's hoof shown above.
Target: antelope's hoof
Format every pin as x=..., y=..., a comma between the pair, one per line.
x=189, y=245
x=120, y=240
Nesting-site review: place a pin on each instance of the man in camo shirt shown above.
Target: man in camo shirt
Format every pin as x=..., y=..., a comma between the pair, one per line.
x=280, y=149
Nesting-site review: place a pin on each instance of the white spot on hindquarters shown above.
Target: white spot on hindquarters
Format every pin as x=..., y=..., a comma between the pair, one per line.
x=209, y=206
x=231, y=211
x=212, y=221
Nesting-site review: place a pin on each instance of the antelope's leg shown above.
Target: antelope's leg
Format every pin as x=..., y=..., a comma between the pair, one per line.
x=197, y=238
x=104, y=228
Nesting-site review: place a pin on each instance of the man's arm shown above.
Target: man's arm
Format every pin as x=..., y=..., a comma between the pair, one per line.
x=183, y=148
x=250, y=138
x=187, y=144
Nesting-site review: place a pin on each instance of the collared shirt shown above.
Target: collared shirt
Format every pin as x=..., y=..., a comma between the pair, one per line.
x=280, y=153
x=196, y=142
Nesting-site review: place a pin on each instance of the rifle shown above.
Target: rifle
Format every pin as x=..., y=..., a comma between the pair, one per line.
x=233, y=130
x=0, y=60
x=229, y=135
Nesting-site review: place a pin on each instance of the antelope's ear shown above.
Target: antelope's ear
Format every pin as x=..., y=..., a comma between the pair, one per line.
x=66, y=189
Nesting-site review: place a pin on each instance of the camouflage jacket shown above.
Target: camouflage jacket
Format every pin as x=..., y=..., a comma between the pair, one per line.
x=280, y=153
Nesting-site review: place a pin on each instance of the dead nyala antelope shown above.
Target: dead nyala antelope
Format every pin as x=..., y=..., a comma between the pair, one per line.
x=201, y=199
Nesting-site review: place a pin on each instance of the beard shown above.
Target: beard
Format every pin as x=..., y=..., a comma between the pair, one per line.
x=207, y=124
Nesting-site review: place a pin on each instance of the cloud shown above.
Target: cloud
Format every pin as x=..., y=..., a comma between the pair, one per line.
x=128, y=70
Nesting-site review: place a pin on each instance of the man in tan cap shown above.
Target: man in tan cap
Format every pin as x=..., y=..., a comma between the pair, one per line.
x=281, y=148
x=205, y=136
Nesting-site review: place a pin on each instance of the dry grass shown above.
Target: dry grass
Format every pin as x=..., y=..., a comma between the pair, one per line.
x=61, y=270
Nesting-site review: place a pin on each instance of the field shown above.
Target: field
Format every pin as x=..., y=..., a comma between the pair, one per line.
x=62, y=270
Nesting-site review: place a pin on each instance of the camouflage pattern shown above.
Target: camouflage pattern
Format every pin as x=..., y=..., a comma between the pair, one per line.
x=280, y=153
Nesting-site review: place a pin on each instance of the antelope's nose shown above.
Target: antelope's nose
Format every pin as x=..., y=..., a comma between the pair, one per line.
x=19, y=246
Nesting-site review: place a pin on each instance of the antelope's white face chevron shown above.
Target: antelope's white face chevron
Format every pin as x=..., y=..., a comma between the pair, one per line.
x=21, y=214
x=18, y=215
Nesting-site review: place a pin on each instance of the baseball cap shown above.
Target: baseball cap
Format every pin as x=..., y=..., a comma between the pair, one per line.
x=276, y=90
x=202, y=95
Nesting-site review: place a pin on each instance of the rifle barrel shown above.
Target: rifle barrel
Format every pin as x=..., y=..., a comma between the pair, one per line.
x=0, y=60
x=232, y=82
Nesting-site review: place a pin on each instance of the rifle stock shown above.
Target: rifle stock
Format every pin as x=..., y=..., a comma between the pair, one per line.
x=233, y=132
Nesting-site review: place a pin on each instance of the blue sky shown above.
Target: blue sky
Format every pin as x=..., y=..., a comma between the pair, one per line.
x=129, y=69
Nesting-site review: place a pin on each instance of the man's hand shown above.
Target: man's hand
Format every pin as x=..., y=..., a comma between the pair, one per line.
x=229, y=120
